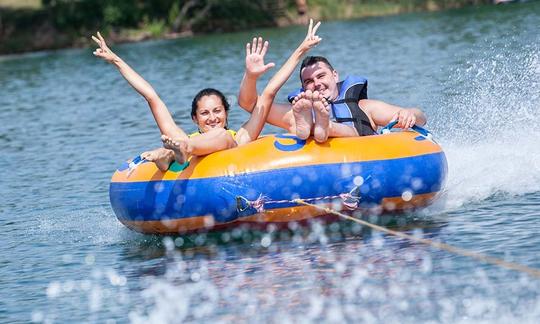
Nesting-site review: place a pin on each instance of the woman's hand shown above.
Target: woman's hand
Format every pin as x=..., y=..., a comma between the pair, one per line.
x=255, y=53
x=312, y=39
x=103, y=51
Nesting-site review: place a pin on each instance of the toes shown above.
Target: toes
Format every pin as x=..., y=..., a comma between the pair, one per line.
x=302, y=135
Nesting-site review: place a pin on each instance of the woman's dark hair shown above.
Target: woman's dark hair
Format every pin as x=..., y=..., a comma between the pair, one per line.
x=208, y=92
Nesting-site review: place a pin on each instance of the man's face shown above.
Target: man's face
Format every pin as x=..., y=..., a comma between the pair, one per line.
x=319, y=77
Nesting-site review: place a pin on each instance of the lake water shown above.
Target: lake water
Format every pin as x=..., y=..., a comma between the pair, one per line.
x=67, y=120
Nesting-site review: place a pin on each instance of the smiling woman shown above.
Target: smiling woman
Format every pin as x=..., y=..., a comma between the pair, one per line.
x=209, y=110
x=209, y=107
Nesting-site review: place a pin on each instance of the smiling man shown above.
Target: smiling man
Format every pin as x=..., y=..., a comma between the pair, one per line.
x=324, y=106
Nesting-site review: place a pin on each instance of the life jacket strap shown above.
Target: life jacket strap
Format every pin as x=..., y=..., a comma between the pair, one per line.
x=353, y=119
x=345, y=100
x=345, y=119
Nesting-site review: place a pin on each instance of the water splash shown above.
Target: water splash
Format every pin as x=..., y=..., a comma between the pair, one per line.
x=389, y=281
x=488, y=129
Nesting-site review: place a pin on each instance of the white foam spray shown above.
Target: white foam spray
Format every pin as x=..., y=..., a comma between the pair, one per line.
x=488, y=128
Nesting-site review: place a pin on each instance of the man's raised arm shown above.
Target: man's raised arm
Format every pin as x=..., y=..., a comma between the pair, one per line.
x=255, y=67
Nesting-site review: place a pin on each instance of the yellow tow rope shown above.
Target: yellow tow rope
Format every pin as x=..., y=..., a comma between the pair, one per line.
x=442, y=246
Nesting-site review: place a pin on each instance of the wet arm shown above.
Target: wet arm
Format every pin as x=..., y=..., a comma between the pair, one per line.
x=383, y=113
x=253, y=127
x=280, y=115
x=159, y=110
x=255, y=67
x=247, y=97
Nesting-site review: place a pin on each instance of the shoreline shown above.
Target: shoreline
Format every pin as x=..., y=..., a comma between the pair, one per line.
x=32, y=30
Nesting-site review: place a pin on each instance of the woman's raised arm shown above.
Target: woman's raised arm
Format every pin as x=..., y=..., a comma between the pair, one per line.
x=162, y=116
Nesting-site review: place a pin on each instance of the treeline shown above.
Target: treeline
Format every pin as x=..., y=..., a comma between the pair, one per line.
x=347, y=9
x=66, y=23
x=171, y=15
x=61, y=23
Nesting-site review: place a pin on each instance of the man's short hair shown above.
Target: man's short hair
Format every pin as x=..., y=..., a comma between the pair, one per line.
x=310, y=60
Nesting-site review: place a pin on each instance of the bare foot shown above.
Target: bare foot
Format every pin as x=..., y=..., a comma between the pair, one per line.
x=322, y=117
x=179, y=147
x=162, y=157
x=303, y=116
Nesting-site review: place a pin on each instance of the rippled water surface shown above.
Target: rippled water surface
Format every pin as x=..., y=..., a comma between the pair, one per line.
x=67, y=120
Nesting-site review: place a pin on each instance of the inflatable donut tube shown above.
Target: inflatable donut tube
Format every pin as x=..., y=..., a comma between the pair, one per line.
x=257, y=183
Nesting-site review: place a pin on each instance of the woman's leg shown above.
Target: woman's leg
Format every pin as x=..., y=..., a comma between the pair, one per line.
x=162, y=157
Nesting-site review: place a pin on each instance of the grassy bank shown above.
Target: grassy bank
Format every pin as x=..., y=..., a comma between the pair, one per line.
x=31, y=25
x=344, y=9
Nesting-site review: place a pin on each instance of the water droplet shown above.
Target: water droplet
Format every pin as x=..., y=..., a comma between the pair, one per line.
x=90, y=259
x=407, y=195
x=266, y=241
x=53, y=290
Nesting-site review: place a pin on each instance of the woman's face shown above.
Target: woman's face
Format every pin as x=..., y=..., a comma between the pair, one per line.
x=210, y=113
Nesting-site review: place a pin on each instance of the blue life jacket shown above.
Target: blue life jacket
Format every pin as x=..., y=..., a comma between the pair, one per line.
x=345, y=108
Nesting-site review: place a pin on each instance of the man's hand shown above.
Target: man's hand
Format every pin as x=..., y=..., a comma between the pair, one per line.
x=405, y=118
x=255, y=53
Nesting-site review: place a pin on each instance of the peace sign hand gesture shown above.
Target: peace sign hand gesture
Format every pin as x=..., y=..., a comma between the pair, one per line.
x=255, y=53
x=103, y=51
x=312, y=39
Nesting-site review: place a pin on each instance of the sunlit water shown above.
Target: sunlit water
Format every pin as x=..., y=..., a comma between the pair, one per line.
x=68, y=120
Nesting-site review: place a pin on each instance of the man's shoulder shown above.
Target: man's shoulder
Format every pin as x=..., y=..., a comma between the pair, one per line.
x=354, y=79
